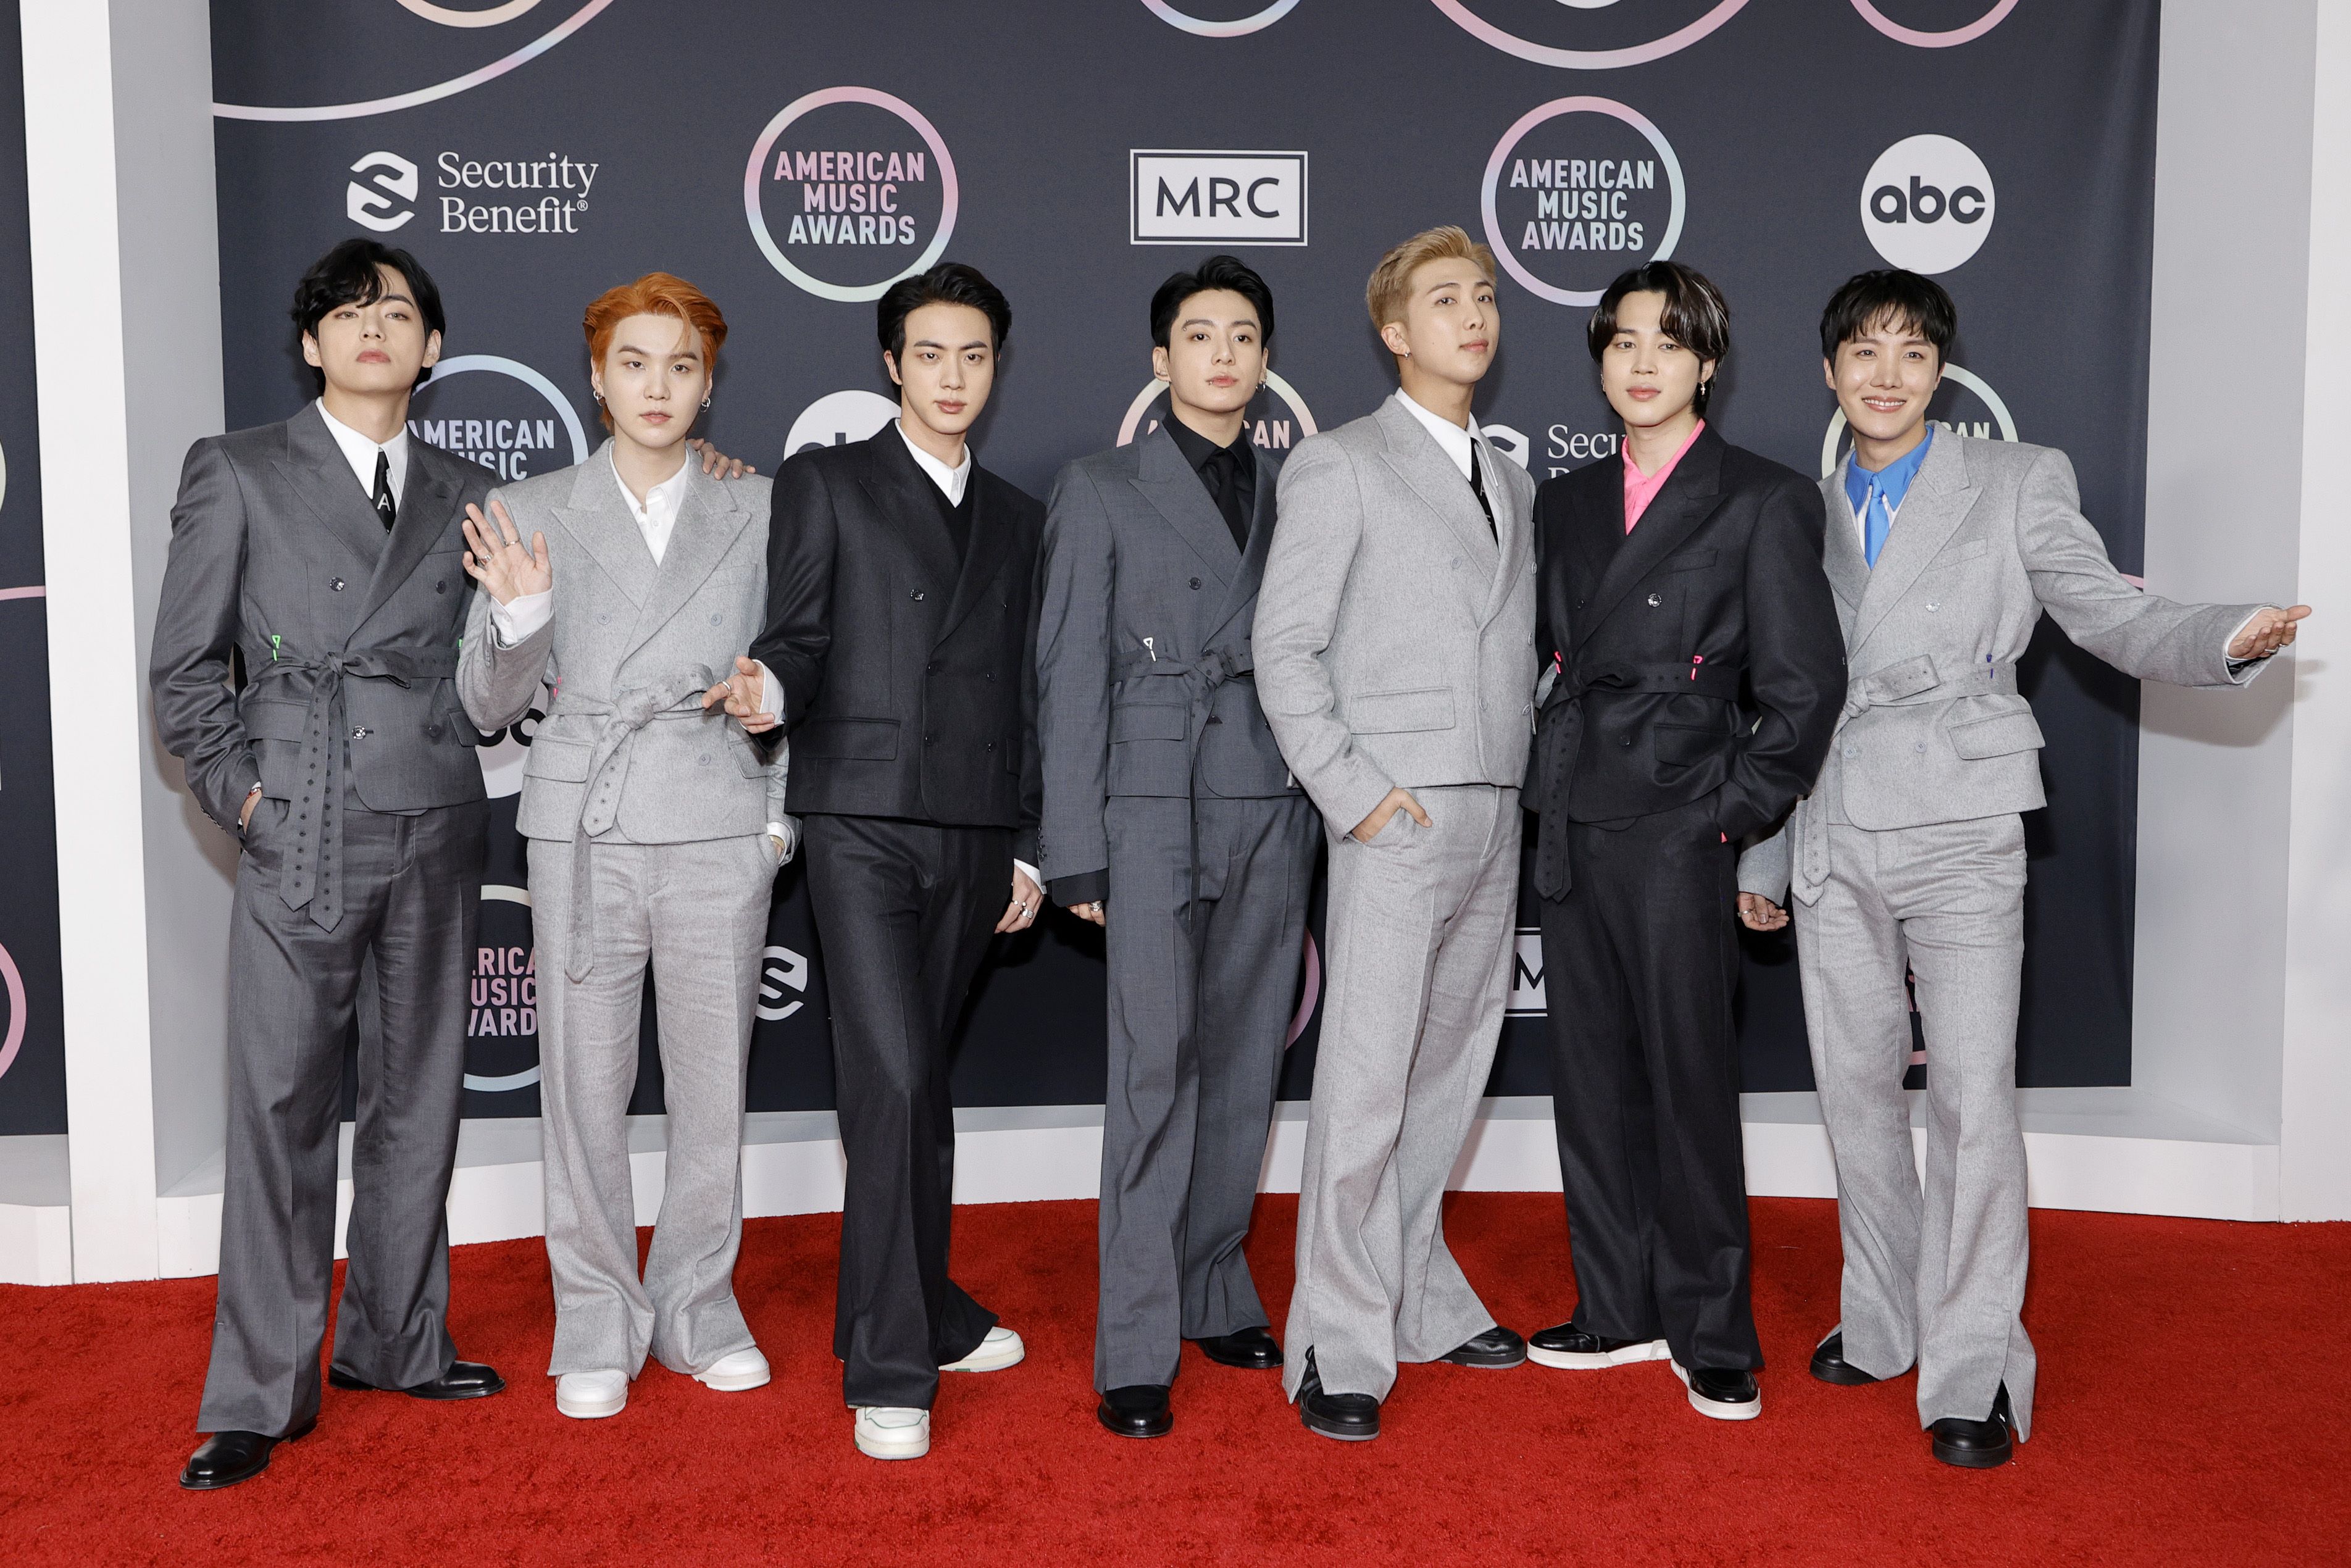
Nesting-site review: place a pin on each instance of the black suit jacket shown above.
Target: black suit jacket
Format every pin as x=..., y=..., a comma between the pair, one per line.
x=909, y=683
x=1700, y=654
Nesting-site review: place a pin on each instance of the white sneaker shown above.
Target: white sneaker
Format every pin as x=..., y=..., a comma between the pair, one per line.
x=734, y=1371
x=590, y=1395
x=888, y=1432
x=1000, y=1349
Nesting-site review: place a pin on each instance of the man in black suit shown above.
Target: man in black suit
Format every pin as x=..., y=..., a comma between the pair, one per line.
x=1697, y=668
x=899, y=656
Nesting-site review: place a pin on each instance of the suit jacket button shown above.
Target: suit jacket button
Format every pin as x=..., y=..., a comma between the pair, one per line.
x=1919, y=746
x=337, y=585
x=1654, y=602
x=929, y=739
x=441, y=587
x=932, y=668
x=1579, y=604
x=1196, y=582
x=1932, y=608
x=990, y=746
x=714, y=619
x=916, y=594
x=433, y=732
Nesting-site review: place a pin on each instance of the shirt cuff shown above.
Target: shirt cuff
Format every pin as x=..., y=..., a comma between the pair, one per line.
x=2230, y=640
x=523, y=618
x=771, y=693
x=1034, y=875
x=782, y=831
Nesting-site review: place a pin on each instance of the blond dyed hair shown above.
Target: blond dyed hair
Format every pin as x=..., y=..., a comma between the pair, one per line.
x=1391, y=284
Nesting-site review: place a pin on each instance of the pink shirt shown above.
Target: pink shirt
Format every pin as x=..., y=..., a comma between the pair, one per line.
x=1640, y=488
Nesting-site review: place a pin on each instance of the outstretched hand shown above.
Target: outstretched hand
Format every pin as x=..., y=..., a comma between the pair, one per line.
x=744, y=694
x=2267, y=631
x=1757, y=913
x=497, y=562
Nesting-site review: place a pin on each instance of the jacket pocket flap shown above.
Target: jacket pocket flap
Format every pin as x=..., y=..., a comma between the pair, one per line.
x=1998, y=735
x=1689, y=560
x=1148, y=721
x=1685, y=745
x=1389, y=713
x=561, y=760
x=849, y=740
x=274, y=720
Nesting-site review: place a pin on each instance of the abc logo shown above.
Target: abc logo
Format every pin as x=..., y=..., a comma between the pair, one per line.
x=1928, y=204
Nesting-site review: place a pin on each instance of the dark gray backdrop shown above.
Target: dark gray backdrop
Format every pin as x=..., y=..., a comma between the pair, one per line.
x=471, y=145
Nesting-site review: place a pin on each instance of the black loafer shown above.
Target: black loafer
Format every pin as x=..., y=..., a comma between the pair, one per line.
x=1577, y=1350
x=225, y=1458
x=1725, y=1393
x=1253, y=1350
x=1976, y=1445
x=1830, y=1366
x=1138, y=1411
x=463, y=1380
x=1349, y=1418
x=1498, y=1346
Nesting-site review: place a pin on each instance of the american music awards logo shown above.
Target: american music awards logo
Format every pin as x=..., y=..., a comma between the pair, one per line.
x=483, y=48
x=1965, y=404
x=1278, y=418
x=1577, y=191
x=1590, y=35
x=848, y=190
x=512, y=420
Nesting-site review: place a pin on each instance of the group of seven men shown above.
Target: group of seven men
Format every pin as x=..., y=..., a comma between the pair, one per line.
x=1155, y=699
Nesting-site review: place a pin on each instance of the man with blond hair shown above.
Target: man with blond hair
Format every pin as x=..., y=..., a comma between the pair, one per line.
x=1396, y=660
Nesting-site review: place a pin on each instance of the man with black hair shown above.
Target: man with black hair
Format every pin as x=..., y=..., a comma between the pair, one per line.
x=323, y=553
x=899, y=656
x=1171, y=821
x=1908, y=858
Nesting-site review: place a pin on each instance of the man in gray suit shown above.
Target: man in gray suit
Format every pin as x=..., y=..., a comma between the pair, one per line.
x=1170, y=820
x=1396, y=662
x=324, y=553
x=1908, y=856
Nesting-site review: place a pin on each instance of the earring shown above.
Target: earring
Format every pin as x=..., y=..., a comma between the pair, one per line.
x=598, y=394
x=705, y=403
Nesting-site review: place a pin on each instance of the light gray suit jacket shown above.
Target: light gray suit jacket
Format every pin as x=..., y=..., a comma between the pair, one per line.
x=630, y=652
x=1989, y=536
x=1395, y=639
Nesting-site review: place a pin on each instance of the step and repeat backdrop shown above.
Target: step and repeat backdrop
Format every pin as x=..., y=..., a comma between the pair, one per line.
x=793, y=158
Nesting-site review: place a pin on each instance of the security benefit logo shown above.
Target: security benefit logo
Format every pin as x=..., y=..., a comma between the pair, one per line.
x=849, y=189
x=1964, y=404
x=1241, y=198
x=1590, y=35
x=544, y=193
x=1277, y=420
x=1928, y=204
x=1579, y=190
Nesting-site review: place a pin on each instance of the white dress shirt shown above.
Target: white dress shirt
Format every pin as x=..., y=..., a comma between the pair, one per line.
x=360, y=452
x=1459, y=444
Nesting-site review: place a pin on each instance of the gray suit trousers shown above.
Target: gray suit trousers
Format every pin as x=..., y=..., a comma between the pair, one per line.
x=411, y=892
x=696, y=913
x=1422, y=930
x=1192, y=1065
x=1936, y=1277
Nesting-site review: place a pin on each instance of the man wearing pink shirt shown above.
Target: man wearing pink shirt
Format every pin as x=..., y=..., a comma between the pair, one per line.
x=1696, y=672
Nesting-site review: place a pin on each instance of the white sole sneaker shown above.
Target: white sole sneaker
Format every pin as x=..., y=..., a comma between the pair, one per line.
x=734, y=1371
x=1716, y=1408
x=1571, y=1361
x=878, y=1442
x=592, y=1395
x=1000, y=1349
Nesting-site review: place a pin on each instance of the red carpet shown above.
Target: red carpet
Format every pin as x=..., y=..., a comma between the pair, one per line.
x=2186, y=1414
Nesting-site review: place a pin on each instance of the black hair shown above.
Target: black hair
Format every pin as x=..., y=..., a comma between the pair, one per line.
x=1696, y=315
x=1890, y=296
x=948, y=283
x=347, y=275
x=1224, y=272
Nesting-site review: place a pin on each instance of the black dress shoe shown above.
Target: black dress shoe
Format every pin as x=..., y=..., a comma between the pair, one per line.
x=1573, y=1348
x=1137, y=1411
x=1253, y=1349
x=1830, y=1366
x=1976, y=1445
x=1349, y=1418
x=225, y=1458
x=463, y=1380
x=1725, y=1393
x=1498, y=1346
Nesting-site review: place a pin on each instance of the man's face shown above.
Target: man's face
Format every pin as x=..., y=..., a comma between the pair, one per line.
x=377, y=348
x=949, y=366
x=1215, y=358
x=1648, y=377
x=1451, y=325
x=653, y=379
x=1883, y=379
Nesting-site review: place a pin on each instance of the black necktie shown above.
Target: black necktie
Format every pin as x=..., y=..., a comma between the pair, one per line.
x=385, y=506
x=1478, y=488
x=1224, y=476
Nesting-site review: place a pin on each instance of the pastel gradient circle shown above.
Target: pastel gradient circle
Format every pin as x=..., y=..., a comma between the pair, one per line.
x=1152, y=389
x=451, y=16
x=1681, y=38
x=1552, y=110
x=450, y=89
x=848, y=293
x=1949, y=38
x=1308, y=994
x=1968, y=379
x=15, y=1038
x=530, y=377
x=506, y=1082
x=1256, y=24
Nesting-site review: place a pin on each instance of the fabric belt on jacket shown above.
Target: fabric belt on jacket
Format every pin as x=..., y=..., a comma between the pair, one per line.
x=1201, y=677
x=1913, y=682
x=1552, y=877
x=624, y=715
x=314, y=865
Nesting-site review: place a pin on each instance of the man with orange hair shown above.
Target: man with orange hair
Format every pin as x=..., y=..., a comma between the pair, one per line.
x=1395, y=659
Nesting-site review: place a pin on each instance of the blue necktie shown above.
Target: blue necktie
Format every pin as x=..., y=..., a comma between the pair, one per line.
x=1875, y=523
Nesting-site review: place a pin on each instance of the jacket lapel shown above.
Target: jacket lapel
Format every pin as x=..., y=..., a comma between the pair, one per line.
x=909, y=501
x=597, y=517
x=708, y=519
x=423, y=522
x=1175, y=491
x=1840, y=556
x=991, y=537
x=1690, y=496
x=316, y=468
x=1421, y=464
x=1937, y=502
x=1510, y=531
x=1251, y=570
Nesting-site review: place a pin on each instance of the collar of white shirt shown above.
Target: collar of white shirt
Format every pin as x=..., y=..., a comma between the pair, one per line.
x=950, y=481
x=657, y=517
x=360, y=452
x=1458, y=444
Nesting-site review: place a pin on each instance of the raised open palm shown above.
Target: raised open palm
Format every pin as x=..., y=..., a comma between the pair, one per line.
x=498, y=560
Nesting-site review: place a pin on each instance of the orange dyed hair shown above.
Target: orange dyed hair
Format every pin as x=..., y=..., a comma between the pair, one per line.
x=654, y=294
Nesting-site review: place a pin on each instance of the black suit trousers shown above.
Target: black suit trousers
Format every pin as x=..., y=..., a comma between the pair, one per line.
x=904, y=914
x=1640, y=961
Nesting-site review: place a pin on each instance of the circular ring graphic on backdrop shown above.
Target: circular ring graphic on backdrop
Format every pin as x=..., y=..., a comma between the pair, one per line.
x=530, y=377
x=1477, y=27
x=434, y=94
x=1965, y=378
x=1552, y=110
x=1152, y=389
x=847, y=293
x=449, y=17
x=839, y=417
x=1256, y=24
x=1309, y=994
x=1920, y=38
x=529, y=1075
x=15, y=1038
